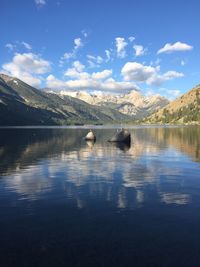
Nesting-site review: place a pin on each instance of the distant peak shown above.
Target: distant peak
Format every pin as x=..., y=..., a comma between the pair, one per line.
x=6, y=78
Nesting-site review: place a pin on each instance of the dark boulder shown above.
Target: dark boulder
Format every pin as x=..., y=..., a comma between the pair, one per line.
x=121, y=136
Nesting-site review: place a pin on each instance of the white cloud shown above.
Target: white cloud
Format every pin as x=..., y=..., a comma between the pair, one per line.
x=169, y=75
x=139, y=50
x=133, y=71
x=150, y=92
x=27, y=67
x=102, y=74
x=137, y=72
x=85, y=33
x=92, y=64
x=90, y=84
x=156, y=62
x=78, y=66
x=73, y=73
x=40, y=2
x=68, y=55
x=77, y=72
x=174, y=93
x=121, y=45
x=108, y=55
x=131, y=39
x=94, y=61
x=178, y=46
x=158, y=79
x=78, y=43
x=183, y=63
x=170, y=93
x=31, y=62
x=18, y=45
x=26, y=45
x=10, y=46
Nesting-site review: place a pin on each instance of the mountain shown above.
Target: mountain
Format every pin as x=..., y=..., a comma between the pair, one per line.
x=22, y=104
x=185, y=109
x=132, y=103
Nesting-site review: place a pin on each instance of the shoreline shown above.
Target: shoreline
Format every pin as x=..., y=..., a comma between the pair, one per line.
x=93, y=126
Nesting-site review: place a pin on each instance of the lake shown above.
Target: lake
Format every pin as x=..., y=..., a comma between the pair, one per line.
x=67, y=202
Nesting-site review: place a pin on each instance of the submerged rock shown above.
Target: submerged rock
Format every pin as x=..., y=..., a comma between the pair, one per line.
x=124, y=146
x=121, y=136
x=90, y=136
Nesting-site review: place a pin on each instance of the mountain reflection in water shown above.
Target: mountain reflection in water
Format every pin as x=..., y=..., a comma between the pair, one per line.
x=32, y=158
x=49, y=173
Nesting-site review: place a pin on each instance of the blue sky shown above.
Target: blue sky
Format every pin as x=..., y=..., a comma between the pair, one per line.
x=111, y=46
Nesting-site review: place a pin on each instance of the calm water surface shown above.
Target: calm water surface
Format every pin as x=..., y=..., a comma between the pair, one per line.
x=67, y=202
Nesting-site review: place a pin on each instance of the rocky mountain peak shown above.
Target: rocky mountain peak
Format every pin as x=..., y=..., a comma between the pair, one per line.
x=6, y=78
x=132, y=103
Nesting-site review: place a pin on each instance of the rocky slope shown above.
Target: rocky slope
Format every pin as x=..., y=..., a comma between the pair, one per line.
x=132, y=103
x=22, y=104
x=185, y=109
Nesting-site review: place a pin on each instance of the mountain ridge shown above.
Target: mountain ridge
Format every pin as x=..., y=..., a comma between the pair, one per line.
x=185, y=109
x=132, y=103
x=22, y=104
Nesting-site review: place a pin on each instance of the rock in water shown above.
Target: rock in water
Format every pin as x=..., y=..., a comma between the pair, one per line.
x=121, y=136
x=124, y=146
x=90, y=143
x=90, y=136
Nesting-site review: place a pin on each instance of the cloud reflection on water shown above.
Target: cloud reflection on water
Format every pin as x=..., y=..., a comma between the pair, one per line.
x=84, y=172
